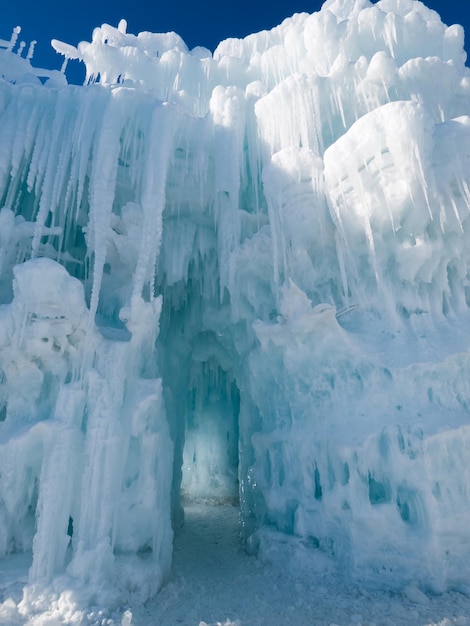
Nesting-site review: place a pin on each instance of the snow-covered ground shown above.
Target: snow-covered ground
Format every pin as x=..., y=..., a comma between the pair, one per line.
x=213, y=581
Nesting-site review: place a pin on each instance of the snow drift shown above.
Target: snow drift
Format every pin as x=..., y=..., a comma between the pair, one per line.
x=246, y=275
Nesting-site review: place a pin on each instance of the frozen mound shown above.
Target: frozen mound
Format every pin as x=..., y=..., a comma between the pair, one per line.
x=239, y=275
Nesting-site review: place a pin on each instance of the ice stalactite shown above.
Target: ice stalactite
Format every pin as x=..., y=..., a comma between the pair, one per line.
x=102, y=185
x=161, y=143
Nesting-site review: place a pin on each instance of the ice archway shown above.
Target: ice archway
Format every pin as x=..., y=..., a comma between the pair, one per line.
x=267, y=246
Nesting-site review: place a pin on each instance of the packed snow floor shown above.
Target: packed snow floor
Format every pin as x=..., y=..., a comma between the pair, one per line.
x=215, y=583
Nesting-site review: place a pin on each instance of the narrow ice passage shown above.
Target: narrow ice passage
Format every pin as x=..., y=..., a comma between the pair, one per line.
x=210, y=454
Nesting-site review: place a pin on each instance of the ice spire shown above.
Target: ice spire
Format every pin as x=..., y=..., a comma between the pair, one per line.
x=14, y=37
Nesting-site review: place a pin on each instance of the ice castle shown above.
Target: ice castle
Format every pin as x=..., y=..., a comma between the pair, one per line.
x=239, y=275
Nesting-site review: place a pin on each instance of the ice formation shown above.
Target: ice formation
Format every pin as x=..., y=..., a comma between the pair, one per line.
x=246, y=275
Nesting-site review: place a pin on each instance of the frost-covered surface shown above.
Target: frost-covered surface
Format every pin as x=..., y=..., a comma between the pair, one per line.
x=246, y=275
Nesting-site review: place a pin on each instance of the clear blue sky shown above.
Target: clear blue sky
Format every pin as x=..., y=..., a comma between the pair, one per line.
x=200, y=22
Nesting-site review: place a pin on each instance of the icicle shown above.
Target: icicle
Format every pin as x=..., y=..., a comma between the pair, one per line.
x=21, y=48
x=32, y=45
x=14, y=37
x=228, y=114
x=160, y=145
x=102, y=192
x=55, y=156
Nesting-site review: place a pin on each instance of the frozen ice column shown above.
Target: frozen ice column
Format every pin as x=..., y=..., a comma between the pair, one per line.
x=93, y=455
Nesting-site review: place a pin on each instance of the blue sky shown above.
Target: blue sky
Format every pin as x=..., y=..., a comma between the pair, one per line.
x=200, y=22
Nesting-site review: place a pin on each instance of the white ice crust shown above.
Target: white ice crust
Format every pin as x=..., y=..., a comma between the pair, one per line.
x=241, y=274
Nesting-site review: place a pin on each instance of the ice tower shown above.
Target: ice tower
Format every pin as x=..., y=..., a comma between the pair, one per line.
x=239, y=275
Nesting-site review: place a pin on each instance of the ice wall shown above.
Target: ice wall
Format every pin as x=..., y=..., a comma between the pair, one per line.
x=240, y=273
